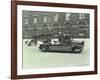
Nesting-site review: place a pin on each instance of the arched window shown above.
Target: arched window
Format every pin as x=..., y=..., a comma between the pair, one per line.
x=67, y=25
x=55, y=25
x=81, y=24
x=34, y=26
x=45, y=26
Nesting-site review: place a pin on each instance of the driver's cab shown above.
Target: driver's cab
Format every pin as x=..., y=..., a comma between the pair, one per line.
x=55, y=41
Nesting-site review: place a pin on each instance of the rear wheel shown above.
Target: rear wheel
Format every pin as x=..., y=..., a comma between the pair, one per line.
x=43, y=48
x=77, y=50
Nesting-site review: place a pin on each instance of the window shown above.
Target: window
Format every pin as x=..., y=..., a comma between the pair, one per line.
x=81, y=16
x=26, y=21
x=56, y=18
x=67, y=16
x=35, y=20
x=45, y=19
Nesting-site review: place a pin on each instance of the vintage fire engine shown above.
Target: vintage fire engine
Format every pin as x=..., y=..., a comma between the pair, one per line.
x=61, y=43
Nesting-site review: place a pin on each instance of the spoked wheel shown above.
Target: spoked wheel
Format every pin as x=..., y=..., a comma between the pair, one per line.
x=77, y=50
x=43, y=48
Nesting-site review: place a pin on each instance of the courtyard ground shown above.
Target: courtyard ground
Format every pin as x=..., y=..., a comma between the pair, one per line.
x=34, y=58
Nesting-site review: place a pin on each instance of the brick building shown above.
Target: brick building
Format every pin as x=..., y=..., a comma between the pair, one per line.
x=36, y=22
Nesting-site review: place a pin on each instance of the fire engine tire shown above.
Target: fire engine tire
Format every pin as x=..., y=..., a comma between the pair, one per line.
x=77, y=50
x=43, y=48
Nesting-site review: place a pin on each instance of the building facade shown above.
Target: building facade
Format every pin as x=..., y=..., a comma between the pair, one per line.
x=35, y=23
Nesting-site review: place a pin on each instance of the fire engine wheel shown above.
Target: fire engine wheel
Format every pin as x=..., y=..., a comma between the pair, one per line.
x=77, y=50
x=43, y=48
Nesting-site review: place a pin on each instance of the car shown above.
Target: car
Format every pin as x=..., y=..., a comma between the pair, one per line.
x=62, y=44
